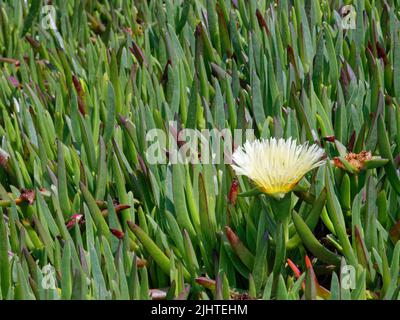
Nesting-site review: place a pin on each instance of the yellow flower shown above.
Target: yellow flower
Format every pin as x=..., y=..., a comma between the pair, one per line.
x=276, y=166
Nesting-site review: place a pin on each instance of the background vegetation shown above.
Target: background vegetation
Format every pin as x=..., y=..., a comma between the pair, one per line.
x=77, y=191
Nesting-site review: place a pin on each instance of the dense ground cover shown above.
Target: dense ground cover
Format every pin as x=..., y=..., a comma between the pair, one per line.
x=86, y=215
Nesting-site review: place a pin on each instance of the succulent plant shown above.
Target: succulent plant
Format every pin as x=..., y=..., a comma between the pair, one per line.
x=86, y=215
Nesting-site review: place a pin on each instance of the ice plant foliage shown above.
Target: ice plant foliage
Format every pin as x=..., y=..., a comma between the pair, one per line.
x=276, y=165
x=136, y=199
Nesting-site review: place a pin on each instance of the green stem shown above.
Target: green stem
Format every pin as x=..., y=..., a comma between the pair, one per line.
x=285, y=222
